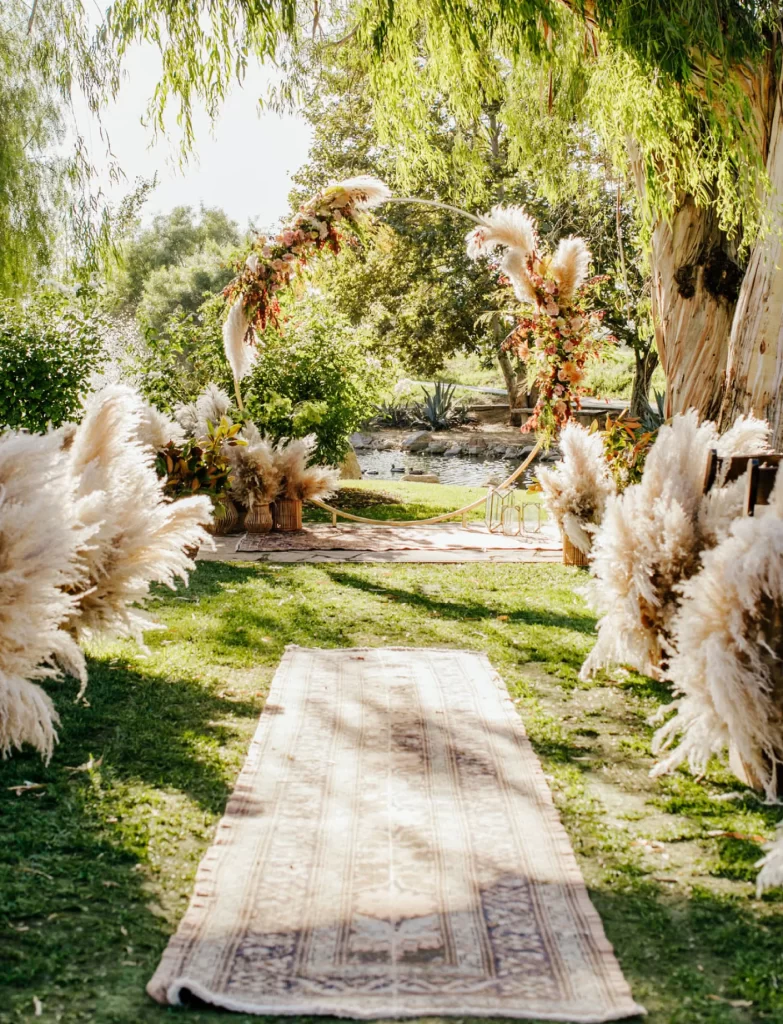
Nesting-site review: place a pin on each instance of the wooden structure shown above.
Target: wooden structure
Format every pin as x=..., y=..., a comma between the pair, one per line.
x=761, y=471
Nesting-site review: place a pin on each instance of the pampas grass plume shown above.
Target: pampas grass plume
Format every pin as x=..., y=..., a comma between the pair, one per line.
x=297, y=480
x=38, y=548
x=365, y=192
x=240, y=354
x=569, y=266
x=513, y=229
x=577, y=488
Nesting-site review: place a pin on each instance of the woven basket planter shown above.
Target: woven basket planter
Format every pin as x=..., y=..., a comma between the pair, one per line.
x=228, y=522
x=288, y=515
x=258, y=519
x=572, y=555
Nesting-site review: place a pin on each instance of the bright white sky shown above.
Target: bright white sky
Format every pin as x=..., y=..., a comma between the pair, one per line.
x=244, y=164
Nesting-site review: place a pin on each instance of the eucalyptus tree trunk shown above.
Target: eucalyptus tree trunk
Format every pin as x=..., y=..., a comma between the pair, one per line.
x=754, y=375
x=695, y=281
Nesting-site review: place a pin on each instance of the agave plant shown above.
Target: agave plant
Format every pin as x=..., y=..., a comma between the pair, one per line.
x=438, y=410
x=392, y=414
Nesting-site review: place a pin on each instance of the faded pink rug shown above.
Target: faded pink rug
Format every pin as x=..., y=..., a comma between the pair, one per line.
x=436, y=537
x=391, y=849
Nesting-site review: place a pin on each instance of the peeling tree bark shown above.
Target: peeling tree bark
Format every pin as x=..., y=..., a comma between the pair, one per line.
x=695, y=284
x=754, y=376
x=694, y=287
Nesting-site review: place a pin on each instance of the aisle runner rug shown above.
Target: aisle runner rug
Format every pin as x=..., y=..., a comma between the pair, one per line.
x=392, y=850
x=474, y=537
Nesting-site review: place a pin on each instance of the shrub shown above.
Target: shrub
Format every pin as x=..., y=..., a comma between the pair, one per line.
x=178, y=361
x=315, y=376
x=49, y=350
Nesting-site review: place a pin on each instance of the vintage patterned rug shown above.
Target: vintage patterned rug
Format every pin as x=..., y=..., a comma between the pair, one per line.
x=391, y=849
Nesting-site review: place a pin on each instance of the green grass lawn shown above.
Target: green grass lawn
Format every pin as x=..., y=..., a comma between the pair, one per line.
x=395, y=499
x=97, y=865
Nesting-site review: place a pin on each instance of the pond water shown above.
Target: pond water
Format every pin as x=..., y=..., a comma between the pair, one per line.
x=462, y=470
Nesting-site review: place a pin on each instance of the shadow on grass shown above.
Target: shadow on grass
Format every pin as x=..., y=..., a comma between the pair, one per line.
x=466, y=610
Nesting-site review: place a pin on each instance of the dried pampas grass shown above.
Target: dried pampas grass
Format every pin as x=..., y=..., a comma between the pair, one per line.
x=726, y=668
x=771, y=874
x=255, y=476
x=156, y=429
x=513, y=229
x=652, y=537
x=38, y=546
x=237, y=334
x=577, y=488
x=569, y=267
x=297, y=479
x=137, y=537
x=364, y=192
x=210, y=407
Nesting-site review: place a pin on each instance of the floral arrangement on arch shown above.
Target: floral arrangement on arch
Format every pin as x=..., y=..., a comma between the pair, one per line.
x=321, y=223
x=562, y=332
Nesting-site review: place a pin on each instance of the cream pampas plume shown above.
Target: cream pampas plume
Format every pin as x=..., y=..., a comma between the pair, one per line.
x=771, y=874
x=577, y=488
x=255, y=477
x=651, y=539
x=240, y=352
x=511, y=228
x=210, y=407
x=297, y=480
x=137, y=536
x=38, y=545
x=728, y=642
x=156, y=429
x=569, y=267
x=364, y=191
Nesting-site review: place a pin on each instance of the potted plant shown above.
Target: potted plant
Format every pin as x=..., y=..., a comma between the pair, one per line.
x=202, y=467
x=255, y=479
x=299, y=482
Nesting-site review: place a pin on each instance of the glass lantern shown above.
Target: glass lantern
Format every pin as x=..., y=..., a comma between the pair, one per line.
x=497, y=501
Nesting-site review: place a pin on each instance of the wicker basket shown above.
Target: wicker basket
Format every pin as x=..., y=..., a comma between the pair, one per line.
x=258, y=519
x=228, y=522
x=572, y=555
x=288, y=515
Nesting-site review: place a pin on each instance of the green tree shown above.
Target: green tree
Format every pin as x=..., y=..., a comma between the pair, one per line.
x=178, y=238
x=411, y=282
x=31, y=179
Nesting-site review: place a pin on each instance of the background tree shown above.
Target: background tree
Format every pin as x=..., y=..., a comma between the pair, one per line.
x=31, y=179
x=411, y=282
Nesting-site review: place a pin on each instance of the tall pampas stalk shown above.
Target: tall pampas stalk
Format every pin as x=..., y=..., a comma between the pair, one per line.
x=238, y=339
x=569, y=267
x=38, y=545
x=137, y=537
x=577, y=489
x=652, y=536
x=297, y=479
x=727, y=639
x=510, y=228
